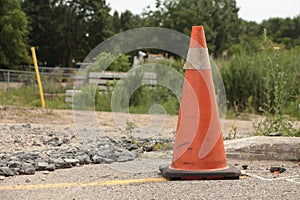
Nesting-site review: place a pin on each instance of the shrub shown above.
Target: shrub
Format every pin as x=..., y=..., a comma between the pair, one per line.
x=108, y=62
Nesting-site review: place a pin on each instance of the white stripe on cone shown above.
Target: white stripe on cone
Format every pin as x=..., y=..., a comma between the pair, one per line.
x=197, y=58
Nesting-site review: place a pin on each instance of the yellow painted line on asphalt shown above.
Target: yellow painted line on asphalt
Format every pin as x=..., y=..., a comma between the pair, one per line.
x=81, y=184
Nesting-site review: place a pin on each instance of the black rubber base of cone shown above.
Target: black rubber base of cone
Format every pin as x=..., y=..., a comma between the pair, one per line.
x=174, y=174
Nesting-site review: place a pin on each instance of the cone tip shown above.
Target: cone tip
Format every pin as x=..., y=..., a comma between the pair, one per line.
x=198, y=37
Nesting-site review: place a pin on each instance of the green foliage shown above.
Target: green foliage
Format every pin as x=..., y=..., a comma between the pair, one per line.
x=53, y=87
x=257, y=77
x=249, y=80
x=103, y=102
x=241, y=79
x=293, y=108
x=174, y=64
x=163, y=146
x=108, y=62
x=219, y=17
x=275, y=123
x=265, y=81
x=130, y=126
x=235, y=50
x=144, y=98
x=86, y=99
x=29, y=96
x=65, y=31
x=13, y=33
x=284, y=31
x=274, y=94
x=233, y=131
x=90, y=98
x=125, y=21
x=120, y=64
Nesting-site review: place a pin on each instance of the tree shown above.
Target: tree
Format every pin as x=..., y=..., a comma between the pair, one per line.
x=13, y=32
x=285, y=31
x=98, y=22
x=124, y=21
x=129, y=21
x=219, y=18
x=42, y=31
x=67, y=30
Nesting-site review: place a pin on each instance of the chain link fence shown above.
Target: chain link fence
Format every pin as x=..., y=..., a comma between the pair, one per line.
x=54, y=79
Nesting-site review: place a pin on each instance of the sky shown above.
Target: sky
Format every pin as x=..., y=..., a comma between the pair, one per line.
x=250, y=10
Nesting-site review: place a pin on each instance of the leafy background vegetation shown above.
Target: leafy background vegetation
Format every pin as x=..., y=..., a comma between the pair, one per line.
x=259, y=62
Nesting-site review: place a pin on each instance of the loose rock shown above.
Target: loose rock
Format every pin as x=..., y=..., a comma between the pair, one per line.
x=275, y=134
x=50, y=167
x=40, y=166
x=5, y=171
x=55, y=149
x=46, y=172
x=73, y=162
x=27, y=169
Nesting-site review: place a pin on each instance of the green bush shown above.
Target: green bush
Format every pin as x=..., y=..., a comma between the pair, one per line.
x=86, y=99
x=145, y=97
x=241, y=81
x=249, y=80
x=103, y=102
x=107, y=61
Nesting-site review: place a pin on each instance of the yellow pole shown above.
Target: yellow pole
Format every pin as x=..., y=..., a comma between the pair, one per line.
x=38, y=76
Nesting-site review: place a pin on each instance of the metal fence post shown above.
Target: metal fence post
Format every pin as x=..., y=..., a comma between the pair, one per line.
x=8, y=80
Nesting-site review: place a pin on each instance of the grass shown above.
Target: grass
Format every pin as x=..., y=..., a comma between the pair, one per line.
x=29, y=96
x=265, y=82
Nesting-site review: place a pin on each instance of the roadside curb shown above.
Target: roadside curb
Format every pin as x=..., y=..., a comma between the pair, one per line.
x=264, y=148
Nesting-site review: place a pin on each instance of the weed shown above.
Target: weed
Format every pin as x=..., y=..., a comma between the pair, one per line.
x=233, y=131
x=130, y=126
x=274, y=96
x=162, y=146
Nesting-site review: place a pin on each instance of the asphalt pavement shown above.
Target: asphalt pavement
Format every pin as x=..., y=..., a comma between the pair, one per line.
x=140, y=179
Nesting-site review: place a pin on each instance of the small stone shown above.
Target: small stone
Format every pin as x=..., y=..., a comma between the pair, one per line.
x=107, y=160
x=149, y=146
x=36, y=143
x=124, y=158
x=18, y=140
x=66, y=140
x=28, y=180
x=26, y=126
x=27, y=169
x=73, y=162
x=46, y=172
x=277, y=170
x=245, y=167
x=97, y=159
x=275, y=134
x=60, y=163
x=132, y=147
x=84, y=159
x=53, y=142
x=16, y=171
x=14, y=164
x=2, y=178
x=50, y=167
x=40, y=166
x=5, y=171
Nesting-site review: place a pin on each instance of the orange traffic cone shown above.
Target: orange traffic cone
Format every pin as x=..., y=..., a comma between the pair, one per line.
x=198, y=150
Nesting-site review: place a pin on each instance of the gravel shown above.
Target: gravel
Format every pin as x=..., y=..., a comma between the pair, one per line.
x=50, y=149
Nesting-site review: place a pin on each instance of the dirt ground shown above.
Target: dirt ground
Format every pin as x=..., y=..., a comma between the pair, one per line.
x=127, y=180
x=163, y=126
x=64, y=118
